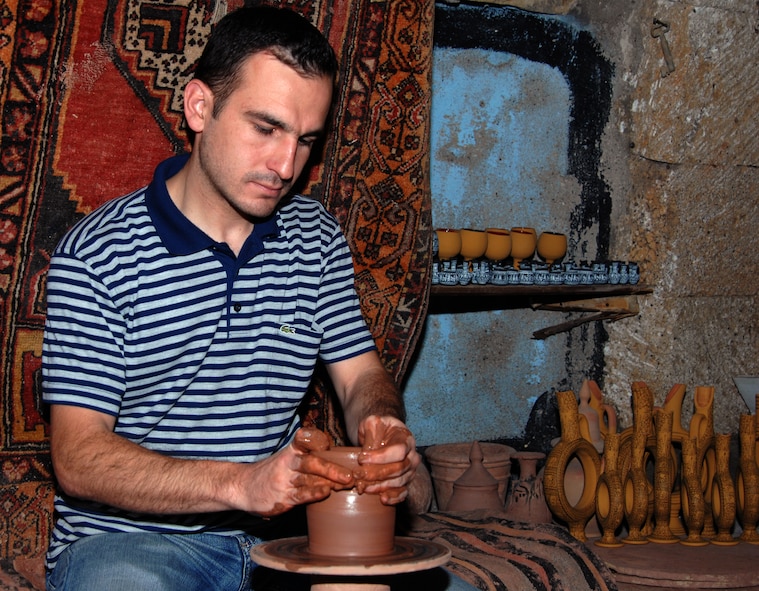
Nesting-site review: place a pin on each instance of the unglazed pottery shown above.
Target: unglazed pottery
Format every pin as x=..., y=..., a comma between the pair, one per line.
x=571, y=446
x=747, y=481
x=448, y=461
x=701, y=428
x=638, y=491
x=475, y=488
x=610, y=509
x=723, y=493
x=692, y=497
x=346, y=523
x=526, y=501
x=664, y=479
x=606, y=412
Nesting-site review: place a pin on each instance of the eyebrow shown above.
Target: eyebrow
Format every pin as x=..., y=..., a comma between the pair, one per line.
x=275, y=122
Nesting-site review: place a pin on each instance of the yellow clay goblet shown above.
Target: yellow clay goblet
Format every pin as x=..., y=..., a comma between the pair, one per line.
x=499, y=244
x=473, y=244
x=552, y=246
x=449, y=243
x=523, y=242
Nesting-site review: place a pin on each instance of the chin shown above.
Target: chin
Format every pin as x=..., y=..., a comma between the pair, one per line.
x=261, y=211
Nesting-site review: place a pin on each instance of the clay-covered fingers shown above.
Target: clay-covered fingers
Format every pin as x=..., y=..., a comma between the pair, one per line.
x=308, y=439
x=295, y=475
x=385, y=438
x=388, y=460
x=310, y=469
x=313, y=468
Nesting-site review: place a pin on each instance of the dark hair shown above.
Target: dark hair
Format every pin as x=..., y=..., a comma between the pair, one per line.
x=288, y=36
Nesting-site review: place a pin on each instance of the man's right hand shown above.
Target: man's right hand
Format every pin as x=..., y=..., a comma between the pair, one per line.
x=295, y=476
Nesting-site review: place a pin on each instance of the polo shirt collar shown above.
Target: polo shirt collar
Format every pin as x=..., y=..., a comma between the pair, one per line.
x=178, y=234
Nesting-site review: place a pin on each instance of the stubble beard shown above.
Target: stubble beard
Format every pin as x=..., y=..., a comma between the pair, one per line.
x=251, y=209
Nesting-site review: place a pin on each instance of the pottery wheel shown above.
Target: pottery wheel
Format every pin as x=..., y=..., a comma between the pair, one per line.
x=292, y=555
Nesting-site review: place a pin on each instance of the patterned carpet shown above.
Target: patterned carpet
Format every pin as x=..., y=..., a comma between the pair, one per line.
x=90, y=103
x=495, y=554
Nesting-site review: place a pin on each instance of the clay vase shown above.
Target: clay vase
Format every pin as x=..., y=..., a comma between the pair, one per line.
x=692, y=497
x=747, y=481
x=664, y=479
x=642, y=401
x=346, y=523
x=636, y=484
x=476, y=488
x=609, y=495
x=674, y=403
x=526, y=500
x=608, y=423
x=723, y=493
x=571, y=446
x=701, y=428
x=590, y=420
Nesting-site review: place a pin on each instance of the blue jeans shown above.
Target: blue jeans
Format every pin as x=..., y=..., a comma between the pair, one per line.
x=193, y=562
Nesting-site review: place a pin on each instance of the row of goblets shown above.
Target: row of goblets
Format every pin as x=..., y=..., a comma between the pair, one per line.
x=497, y=244
x=660, y=482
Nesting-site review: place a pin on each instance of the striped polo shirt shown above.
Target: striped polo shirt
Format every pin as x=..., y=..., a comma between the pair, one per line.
x=198, y=353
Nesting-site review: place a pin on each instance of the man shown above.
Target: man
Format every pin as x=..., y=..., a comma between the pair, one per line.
x=184, y=322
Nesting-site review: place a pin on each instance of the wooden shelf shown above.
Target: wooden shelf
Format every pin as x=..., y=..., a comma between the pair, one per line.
x=539, y=292
x=597, y=302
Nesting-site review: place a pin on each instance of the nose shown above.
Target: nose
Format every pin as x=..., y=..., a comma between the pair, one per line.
x=282, y=160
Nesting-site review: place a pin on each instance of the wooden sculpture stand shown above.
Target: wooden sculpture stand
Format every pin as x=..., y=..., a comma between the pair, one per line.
x=350, y=574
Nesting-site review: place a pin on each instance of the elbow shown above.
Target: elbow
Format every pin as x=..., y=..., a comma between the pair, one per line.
x=65, y=476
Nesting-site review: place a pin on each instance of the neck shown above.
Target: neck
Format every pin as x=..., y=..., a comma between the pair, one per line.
x=215, y=217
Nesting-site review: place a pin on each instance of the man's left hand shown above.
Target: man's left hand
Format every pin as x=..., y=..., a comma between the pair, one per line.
x=388, y=460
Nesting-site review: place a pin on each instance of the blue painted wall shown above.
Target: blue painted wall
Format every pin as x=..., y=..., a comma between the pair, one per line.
x=501, y=135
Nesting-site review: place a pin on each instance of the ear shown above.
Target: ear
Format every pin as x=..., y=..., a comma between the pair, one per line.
x=198, y=104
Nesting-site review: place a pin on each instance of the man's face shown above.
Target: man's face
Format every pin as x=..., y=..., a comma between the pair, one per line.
x=253, y=151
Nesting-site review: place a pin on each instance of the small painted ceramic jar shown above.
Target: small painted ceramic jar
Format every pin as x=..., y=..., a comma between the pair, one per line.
x=624, y=275
x=481, y=273
x=542, y=276
x=600, y=273
x=571, y=274
x=634, y=273
x=512, y=276
x=556, y=275
x=614, y=273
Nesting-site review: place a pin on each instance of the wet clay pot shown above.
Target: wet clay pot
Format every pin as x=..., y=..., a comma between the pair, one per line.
x=348, y=524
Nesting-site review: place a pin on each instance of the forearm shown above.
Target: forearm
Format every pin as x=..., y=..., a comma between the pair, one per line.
x=91, y=462
x=107, y=468
x=373, y=393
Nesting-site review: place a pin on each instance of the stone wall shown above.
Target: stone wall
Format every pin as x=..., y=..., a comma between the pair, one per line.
x=680, y=154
